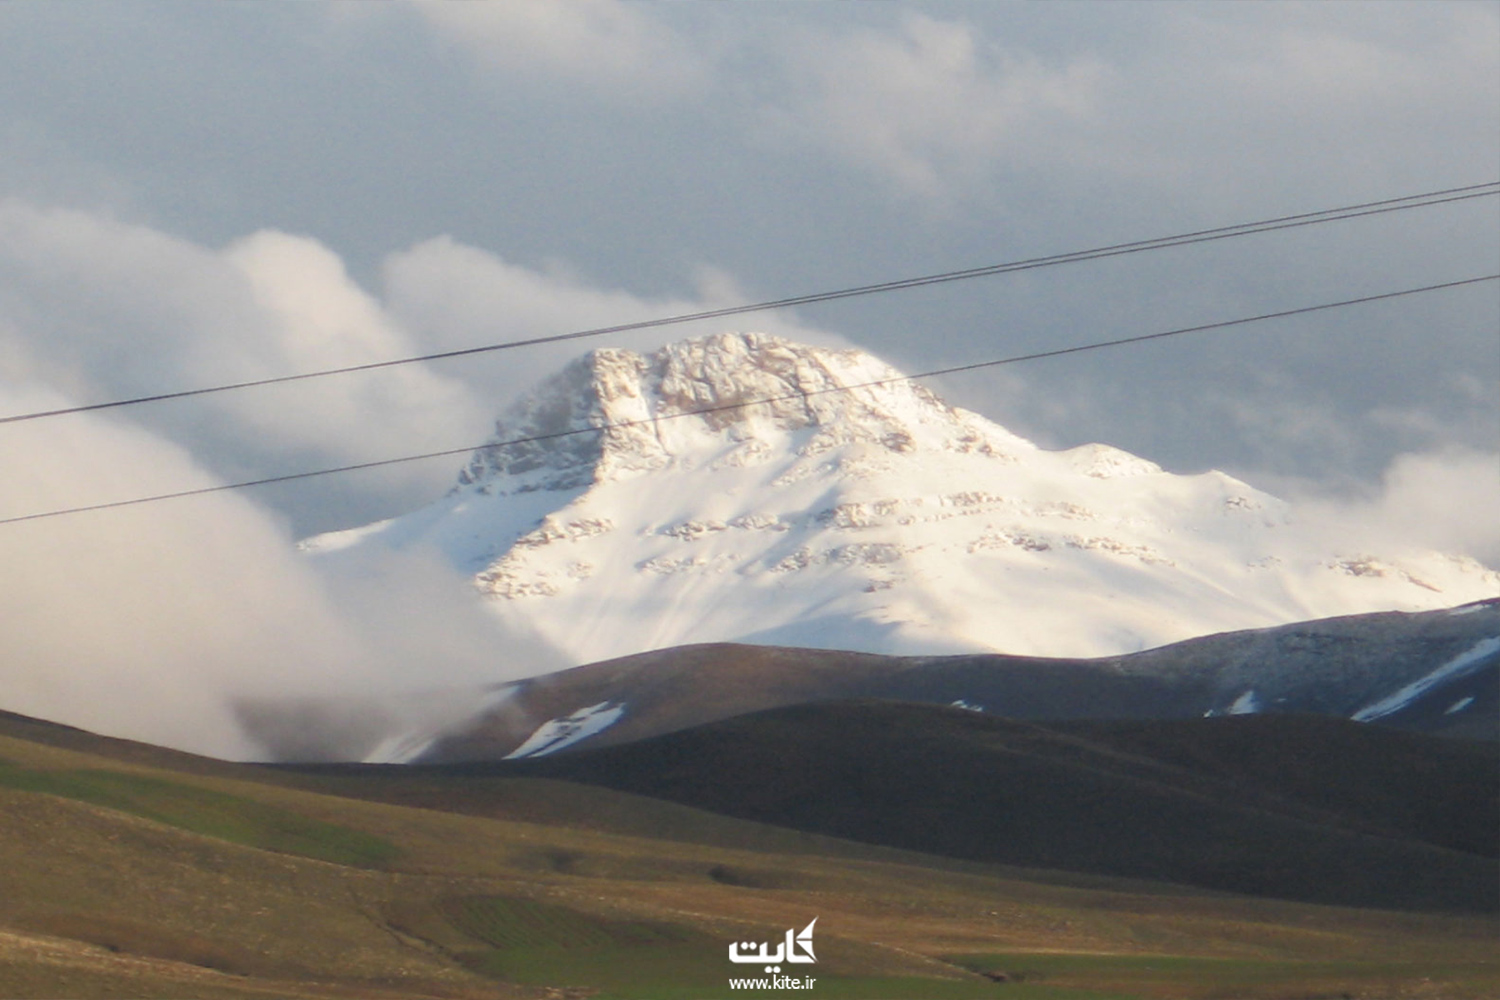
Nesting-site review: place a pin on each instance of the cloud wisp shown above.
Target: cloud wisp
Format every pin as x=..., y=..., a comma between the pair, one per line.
x=932, y=103
x=618, y=50
x=1443, y=500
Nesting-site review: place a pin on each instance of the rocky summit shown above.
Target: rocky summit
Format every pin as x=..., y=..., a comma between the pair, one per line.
x=745, y=488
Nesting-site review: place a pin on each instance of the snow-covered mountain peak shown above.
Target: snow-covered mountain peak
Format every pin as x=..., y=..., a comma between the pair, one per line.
x=842, y=506
x=743, y=396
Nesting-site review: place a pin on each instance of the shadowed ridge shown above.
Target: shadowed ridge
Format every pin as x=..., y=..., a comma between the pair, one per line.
x=1390, y=782
x=958, y=783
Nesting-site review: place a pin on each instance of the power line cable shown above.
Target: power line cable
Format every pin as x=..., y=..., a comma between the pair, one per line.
x=1015, y=359
x=1426, y=200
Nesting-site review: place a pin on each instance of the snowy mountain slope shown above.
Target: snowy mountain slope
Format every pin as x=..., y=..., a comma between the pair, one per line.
x=860, y=516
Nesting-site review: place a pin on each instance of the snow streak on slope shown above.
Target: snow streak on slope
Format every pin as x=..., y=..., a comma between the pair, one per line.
x=877, y=519
x=555, y=734
x=1465, y=663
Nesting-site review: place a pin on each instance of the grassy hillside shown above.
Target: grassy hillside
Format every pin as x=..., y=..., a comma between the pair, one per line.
x=126, y=871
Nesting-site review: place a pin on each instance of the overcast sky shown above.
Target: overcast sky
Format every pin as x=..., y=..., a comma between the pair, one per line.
x=199, y=193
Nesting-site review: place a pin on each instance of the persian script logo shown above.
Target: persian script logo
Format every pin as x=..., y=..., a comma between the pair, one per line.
x=796, y=949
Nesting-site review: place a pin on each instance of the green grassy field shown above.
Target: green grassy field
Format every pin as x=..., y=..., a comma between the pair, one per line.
x=128, y=872
x=214, y=814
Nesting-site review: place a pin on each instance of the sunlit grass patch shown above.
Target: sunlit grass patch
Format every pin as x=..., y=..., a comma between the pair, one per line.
x=537, y=942
x=545, y=944
x=509, y=923
x=213, y=814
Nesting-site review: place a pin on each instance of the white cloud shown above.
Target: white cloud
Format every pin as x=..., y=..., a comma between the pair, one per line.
x=102, y=309
x=935, y=102
x=1205, y=96
x=155, y=621
x=1346, y=104
x=1192, y=98
x=1444, y=500
x=317, y=318
x=621, y=50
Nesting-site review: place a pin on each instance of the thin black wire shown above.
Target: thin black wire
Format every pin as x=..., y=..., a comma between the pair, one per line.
x=1059, y=352
x=1185, y=239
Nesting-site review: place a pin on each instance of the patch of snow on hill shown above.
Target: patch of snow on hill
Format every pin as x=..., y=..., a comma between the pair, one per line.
x=1245, y=704
x=555, y=734
x=1465, y=663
